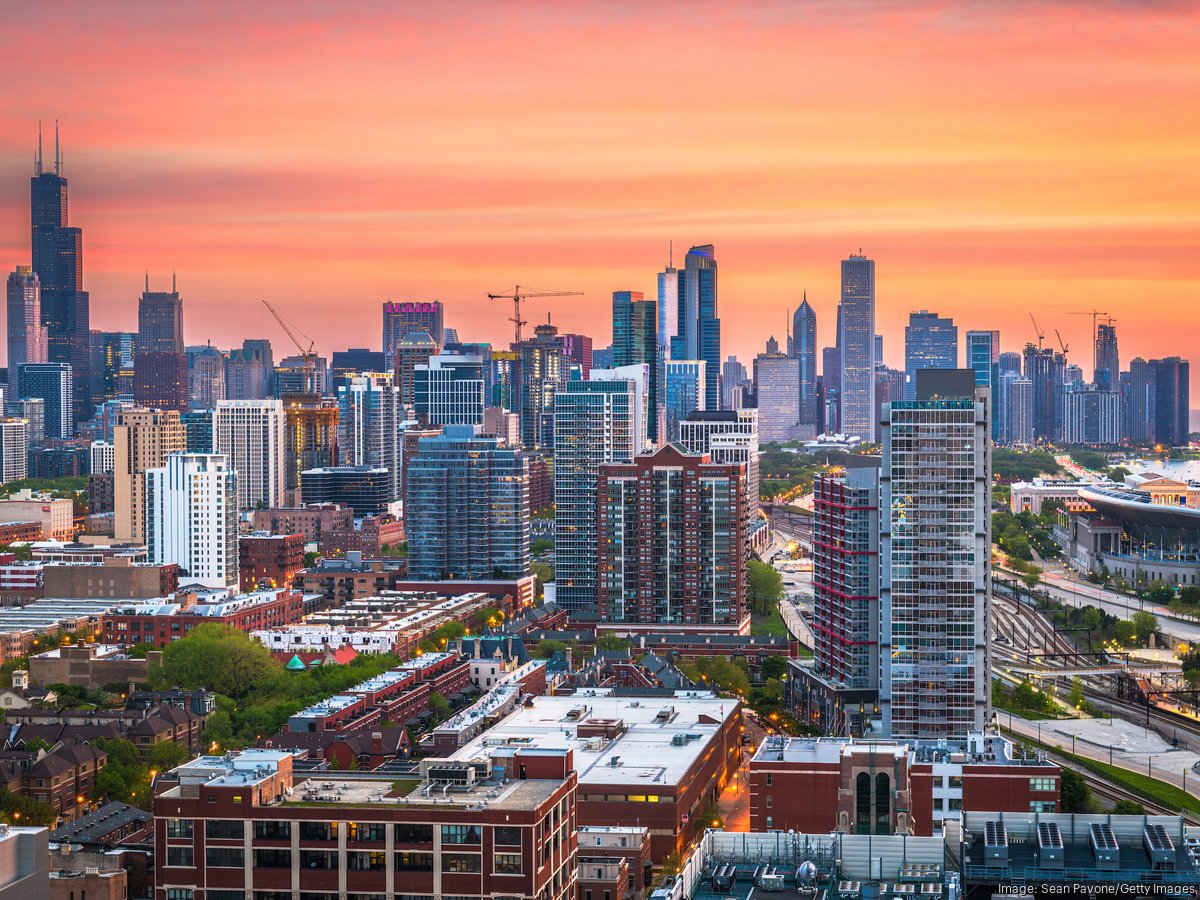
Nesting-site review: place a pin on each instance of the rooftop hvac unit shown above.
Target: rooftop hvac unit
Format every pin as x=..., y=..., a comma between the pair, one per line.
x=1105, y=848
x=1159, y=847
x=1050, y=846
x=995, y=841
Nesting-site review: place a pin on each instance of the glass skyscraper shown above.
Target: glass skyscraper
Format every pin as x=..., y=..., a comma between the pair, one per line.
x=856, y=340
x=803, y=346
x=635, y=342
x=983, y=357
x=466, y=511
x=593, y=424
x=699, y=329
x=930, y=342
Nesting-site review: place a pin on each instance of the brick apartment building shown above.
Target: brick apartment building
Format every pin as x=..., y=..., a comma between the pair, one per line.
x=161, y=623
x=269, y=560
x=314, y=521
x=118, y=577
x=891, y=787
x=244, y=823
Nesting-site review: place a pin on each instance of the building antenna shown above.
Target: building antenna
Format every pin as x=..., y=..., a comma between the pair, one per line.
x=174, y=290
x=147, y=281
x=38, y=161
x=670, y=251
x=57, y=152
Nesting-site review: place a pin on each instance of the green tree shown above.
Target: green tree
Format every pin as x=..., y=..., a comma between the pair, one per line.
x=166, y=755
x=219, y=658
x=439, y=706
x=1128, y=808
x=773, y=667
x=610, y=641
x=765, y=586
x=1076, y=698
x=1124, y=632
x=1158, y=591
x=1145, y=625
x=1075, y=794
x=218, y=728
x=310, y=558
x=1032, y=578
x=1190, y=594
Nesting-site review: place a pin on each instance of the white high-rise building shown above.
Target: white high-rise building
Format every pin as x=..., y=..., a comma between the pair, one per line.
x=449, y=390
x=639, y=374
x=251, y=433
x=935, y=559
x=729, y=437
x=371, y=424
x=191, y=518
x=14, y=450
x=103, y=457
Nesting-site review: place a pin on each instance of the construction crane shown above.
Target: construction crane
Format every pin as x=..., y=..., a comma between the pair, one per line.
x=309, y=355
x=1038, y=331
x=518, y=293
x=1060, y=342
x=1095, y=314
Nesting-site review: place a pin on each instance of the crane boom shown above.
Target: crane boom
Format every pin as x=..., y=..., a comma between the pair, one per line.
x=1060, y=342
x=1095, y=314
x=517, y=294
x=1038, y=331
x=309, y=355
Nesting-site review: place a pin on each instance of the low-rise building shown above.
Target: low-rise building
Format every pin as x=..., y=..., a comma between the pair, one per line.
x=269, y=560
x=350, y=577
x=314, y=520
x=368, y=535
x=628, y=842
x=90, y=666
x=892, y=787
x=501, y=826
x=116, y=577
x=656, y=762
x=55, y=515
x=159, y=622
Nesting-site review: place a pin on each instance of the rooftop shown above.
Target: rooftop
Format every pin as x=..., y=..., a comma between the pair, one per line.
x=978, y=749
x=99, y=823
x=663, y=737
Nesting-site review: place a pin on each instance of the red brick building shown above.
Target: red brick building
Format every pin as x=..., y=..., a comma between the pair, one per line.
x=269, y=560
x=888, y=787
x=368, y=536
x=627, y=842
x=314, y=521
x=159, y=623
x=244, y=823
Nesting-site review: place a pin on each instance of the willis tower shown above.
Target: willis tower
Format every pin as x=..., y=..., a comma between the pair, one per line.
x=58, y=263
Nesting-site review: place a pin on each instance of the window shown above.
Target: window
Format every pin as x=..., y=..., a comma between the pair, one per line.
x=507, y=864
x=406, y=861
x=1041, y=806
x=460, y=863
x=768, y=779
x=225, y=858
x=179, y=894
x=272, y=895
x=372, y=861
x=179, y=828
x=224, y=828
x=273, y=831
x=462, y=834
x=180, y=856
x=272, y=858
x=770, y=801
x=318, y=859
x=955, y=781
x=210, y=894
x=1043, y=784
x=511, y=837
x=955, y=804
x=318, y=831
x=367, y=831
x=413, y=834
x=938, y=803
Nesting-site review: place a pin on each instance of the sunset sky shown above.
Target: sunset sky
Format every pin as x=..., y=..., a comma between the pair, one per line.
x=995, y=159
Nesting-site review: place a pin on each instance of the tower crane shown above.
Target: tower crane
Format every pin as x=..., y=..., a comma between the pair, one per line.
x=1060, y=342
x=518, y=293
x=309, y=355
x=1038, y=331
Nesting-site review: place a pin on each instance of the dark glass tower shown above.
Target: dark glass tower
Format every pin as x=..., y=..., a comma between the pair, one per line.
x=803, y=346
x=635, y=341
x=58, y=263
x=699, y=334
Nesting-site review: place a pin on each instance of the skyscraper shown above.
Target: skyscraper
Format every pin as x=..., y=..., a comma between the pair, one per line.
x=543, y=372
x=413, y=350
x=370, y=421
x=191, y=518
x=52, y=383
x=1092, y=415
x=668, y=307
x=930, y=342
x=160, y=370
x=578, y=348
x=1046, y=370
x=1108, y=360
x=58, y=263
x=311, y=422
x=635, y=342
x=449, y=390
x=699, y=328
x=112, y=354
x=983, y=355
x=594, y=423
x=1160, y=400
x=777, y=387
x=26, y=336
x=727, y=436
x=466, y=510
x=734, y=382
x=206, y=377
x=142, y=440
x=251, y=435
x=857, y=342
x=402, y=319
x=844, y=686
x=684, y=393
x=672, y=544
x=803, y=346
x=14, y=450
x=935, y=556
x=248, y=371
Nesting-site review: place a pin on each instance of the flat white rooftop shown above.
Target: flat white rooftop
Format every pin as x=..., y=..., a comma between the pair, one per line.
x=664, y=736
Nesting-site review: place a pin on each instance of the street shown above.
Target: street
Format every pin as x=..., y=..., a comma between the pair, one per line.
x=734, y=803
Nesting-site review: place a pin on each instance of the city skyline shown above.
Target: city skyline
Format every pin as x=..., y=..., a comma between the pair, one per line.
x=985, y=197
